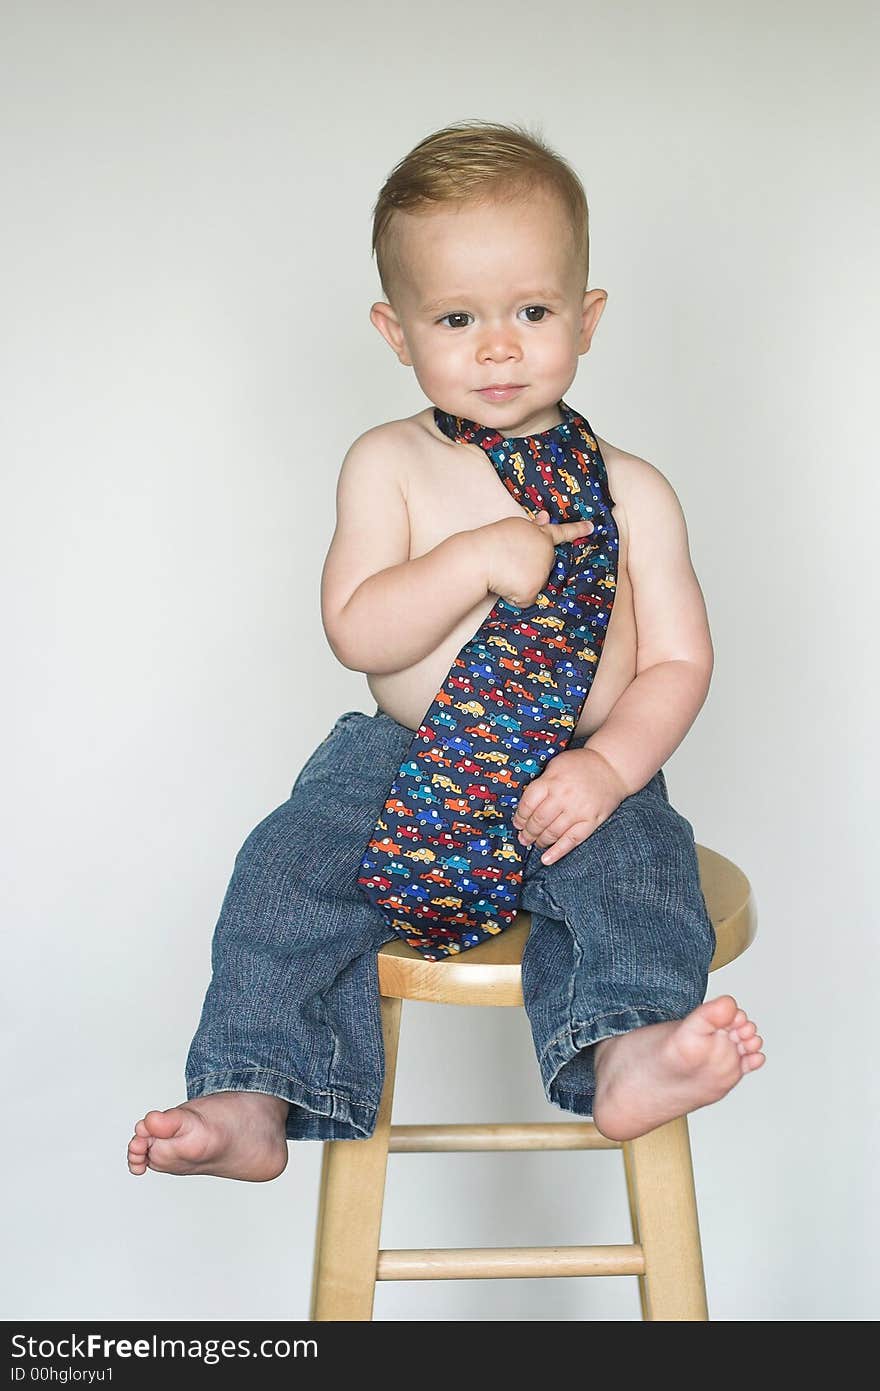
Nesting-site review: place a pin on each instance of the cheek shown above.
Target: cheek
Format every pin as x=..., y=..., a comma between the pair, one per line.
x=437, y=360
x=430, y=349
x=562, y=343
x=427, y=361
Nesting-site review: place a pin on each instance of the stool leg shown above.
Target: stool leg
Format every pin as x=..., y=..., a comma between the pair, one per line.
x=634, y=1220
x=661, y=1181
x=350, y=1204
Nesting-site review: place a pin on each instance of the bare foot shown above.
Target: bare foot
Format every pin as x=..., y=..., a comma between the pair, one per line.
x=230, y=1134
x=650, y=1075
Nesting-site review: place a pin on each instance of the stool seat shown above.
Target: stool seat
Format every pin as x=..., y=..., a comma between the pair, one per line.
x=490, y=973
x=665, y=1254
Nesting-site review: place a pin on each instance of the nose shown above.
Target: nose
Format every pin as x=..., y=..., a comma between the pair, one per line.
x=499, y=344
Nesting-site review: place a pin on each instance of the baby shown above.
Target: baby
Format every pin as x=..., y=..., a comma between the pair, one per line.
x=481, y=238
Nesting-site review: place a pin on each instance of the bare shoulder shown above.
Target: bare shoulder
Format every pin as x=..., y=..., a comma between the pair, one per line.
x=669, y=606
x=640, y=491
x=391, y=447
x=382, y=444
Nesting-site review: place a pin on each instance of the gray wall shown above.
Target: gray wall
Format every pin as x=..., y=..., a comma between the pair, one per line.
x=187, y=356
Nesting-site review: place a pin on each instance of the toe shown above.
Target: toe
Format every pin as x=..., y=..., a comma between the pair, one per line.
x=164, y=1125
x=718, y=1013
x=742, y=1032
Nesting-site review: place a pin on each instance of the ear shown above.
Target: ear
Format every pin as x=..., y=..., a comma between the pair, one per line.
x=594, y=304
x=384, y=318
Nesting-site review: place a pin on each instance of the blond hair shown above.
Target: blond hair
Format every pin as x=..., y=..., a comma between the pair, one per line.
x=480, y=162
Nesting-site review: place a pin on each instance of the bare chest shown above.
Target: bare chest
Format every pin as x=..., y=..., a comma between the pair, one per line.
x=453, y=488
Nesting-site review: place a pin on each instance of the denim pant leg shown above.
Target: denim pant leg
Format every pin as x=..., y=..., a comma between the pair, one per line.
x=292, y=1008
x=620, y=938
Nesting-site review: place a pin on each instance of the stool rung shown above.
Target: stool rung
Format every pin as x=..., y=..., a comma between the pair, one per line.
x=542, y=1135
x=509, y=1262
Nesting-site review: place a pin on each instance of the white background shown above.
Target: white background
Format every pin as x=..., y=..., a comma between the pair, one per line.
x=186, y=280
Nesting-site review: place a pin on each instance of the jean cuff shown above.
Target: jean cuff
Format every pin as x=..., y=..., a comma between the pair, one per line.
x=579, y=1036
x=314, y=1114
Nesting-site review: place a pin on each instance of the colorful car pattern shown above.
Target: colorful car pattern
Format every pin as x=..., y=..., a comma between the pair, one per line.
x=513, y=695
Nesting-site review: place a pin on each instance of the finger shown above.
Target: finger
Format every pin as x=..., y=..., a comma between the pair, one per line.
x=528, y=804
x=528, y=826
x=565, y=530
x=558, y=828
x=524, y=833
x=542, y=817
x=575, y=835
x=554, y=829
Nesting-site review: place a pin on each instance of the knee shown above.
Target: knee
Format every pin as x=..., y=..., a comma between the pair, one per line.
x=261, y=845
x=278, y=858
x=638, y=843
x=644, y=828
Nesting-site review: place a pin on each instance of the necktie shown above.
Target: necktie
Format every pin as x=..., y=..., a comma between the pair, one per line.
x=443, y=863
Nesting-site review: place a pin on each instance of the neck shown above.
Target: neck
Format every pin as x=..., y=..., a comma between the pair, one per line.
x=493, y=418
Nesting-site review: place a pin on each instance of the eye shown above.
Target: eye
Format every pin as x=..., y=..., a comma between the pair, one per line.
x=542, y=309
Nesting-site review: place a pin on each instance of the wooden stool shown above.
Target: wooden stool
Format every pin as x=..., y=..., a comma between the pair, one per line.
x=665, y=1252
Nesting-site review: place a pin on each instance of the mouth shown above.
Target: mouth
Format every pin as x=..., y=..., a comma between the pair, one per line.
x=500, y=393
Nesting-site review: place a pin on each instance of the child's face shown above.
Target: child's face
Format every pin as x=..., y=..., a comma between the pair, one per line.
x=490, y=295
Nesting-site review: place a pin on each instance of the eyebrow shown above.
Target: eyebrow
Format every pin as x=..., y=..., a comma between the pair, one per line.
x=460, y=299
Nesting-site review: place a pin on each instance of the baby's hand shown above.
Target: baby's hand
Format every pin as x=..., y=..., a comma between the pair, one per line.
x=520, y=552
x=564, y=805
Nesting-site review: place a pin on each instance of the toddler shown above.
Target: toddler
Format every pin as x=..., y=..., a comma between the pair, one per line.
x=481, y=240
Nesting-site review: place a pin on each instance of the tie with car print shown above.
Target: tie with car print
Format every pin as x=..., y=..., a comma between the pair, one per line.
x=443, y=863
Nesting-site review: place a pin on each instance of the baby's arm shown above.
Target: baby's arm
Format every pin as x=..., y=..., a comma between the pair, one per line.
x=675, y=656
x=381, y=611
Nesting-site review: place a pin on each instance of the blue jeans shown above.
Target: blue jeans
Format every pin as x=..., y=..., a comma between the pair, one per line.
x=620, y=937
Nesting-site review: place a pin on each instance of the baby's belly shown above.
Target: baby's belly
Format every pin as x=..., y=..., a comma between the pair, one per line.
x=408, y=695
